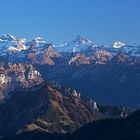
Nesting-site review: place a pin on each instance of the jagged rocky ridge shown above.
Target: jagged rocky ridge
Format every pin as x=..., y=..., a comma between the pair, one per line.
x=17, y=76
x=50, y=107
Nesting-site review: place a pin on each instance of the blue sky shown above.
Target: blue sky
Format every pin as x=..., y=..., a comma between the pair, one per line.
x=59, y=21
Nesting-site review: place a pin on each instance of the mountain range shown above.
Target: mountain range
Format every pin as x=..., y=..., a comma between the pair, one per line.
x=55, y=91
x=111, y=73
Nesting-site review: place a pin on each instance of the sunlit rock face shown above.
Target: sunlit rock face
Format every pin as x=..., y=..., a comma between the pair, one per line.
x=16, y=76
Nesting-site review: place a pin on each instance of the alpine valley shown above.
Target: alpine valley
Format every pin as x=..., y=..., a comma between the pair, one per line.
x=77, y=90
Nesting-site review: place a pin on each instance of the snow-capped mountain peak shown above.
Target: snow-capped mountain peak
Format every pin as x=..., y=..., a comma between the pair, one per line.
x=39, y=40
x=82, y=40
x=80, y=44
x=36, y=42
x=7, y=37
x=9, y=43
x=118, y=44
x=18, y=46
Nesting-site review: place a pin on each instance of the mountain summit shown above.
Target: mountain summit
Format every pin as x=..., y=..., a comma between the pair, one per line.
x=118, y=44
x=80, y=44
